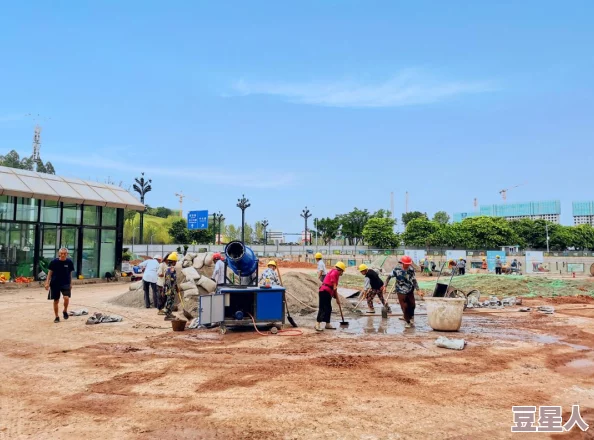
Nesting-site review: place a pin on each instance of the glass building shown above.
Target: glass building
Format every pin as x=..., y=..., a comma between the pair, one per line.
x=40, y=213
x=549, y=210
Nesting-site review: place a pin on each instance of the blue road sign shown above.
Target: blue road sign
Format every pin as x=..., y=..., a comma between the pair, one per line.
x=198, y=220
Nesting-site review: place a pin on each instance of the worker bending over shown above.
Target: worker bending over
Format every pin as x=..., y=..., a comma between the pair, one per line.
x=170, y=286
x=328, y=290
x=406, y=283
x=321, y=267
x=269, y=277
x=373, y=286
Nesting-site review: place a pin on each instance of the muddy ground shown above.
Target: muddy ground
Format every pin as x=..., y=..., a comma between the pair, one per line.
x=375, y=380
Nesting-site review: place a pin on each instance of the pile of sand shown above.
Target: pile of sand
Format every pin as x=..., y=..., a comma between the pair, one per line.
x=302, y=293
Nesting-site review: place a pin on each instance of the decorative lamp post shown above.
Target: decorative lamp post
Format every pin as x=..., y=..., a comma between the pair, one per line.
x=305, y=214
x=142, y=187
x=265, y=225
x=243, y=204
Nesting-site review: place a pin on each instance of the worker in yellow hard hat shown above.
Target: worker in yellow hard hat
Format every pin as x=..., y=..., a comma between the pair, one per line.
x=328, y=290
x=484, y=264
x=461, y=266
x=373, y=286
x=170, y=286
x=498, y=265
x=321, y=267
x=269, y=277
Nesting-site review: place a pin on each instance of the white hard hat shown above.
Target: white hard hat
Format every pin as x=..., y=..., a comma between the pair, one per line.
x=157, y=257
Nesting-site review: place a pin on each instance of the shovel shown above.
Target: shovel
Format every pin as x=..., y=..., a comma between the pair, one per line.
x=343, y=323
x=291, y=320
x=187, y=314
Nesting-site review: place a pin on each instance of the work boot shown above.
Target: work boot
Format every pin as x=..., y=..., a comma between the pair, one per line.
x=56, y=320
x=407, y=325
x=169, y=317
x=371, y=311
x=65, y=314
x=412, y=321
x=329, y=326
x=319, y=327
x=161, y=312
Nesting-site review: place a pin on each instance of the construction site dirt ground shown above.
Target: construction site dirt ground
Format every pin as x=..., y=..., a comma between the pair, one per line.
x=375, y=380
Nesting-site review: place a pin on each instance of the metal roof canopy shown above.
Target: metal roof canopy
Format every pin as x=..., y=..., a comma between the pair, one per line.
x=24, y=183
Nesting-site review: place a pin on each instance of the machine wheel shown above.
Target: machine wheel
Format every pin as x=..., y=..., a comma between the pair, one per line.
x=274, y=330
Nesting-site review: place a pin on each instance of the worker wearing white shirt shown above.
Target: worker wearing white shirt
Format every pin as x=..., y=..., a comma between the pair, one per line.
x=321, y=267
x=219, y=270
x=149, y=279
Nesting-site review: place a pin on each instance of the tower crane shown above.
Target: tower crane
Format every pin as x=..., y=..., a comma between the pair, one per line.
x=182, y=196
x=503, y=192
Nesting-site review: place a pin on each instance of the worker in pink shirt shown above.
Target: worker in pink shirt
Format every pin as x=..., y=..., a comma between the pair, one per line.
x=329, y=290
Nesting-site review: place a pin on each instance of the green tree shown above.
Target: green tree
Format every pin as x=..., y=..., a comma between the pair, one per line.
x=488, y=233
x=13, y=160
x=583, y=237
x=379, y=232
x=178, y=231
x=203, y=236
x=561, y=237
x=258, y=233
x=418, y=231
x=232, y=232
x=327, y=228
x=352, y=225
x=409, y=216
x=441, y=217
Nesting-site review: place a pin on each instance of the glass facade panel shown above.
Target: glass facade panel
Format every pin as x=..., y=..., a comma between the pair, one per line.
x=49, y=246
x=69, y=240
x=26, y=210
x=90, y=253
x=90, y=216
x=6, y=208
x=109, y=217
x=17, y=243
x=71, y=214
x=108, y=247
x=50, y=211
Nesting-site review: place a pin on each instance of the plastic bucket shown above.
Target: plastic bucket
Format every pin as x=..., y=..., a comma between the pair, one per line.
x=178, y=325
x=445, y=314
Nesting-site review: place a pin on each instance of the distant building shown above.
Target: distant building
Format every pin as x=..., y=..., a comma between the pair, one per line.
x=583, y=213
x=546, y=210
x=276, y=236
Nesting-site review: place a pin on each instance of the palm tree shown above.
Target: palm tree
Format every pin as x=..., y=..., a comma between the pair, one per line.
x=142, y=187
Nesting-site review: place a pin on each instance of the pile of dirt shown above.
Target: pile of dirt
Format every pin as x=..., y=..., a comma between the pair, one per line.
x=505, y=285
x=302, y=293
x=132, y=298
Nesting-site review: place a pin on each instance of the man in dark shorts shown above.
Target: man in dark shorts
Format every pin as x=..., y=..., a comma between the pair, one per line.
x=59, y=281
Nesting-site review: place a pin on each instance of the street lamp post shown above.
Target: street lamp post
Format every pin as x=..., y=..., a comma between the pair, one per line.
x=547, y=231
x=214, y=220
x=265, y=225
x=243, y=204
x=142, y=187
x=221, y=218
x=134, y=233
x=305, y=214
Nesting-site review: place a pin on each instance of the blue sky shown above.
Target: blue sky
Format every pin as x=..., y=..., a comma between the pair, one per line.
x=329, y=104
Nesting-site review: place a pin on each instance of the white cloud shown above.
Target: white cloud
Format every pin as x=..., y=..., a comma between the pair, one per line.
x=252, y=179
x=409, y=87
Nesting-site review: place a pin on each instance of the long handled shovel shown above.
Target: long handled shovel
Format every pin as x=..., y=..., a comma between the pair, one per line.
x=291, y=320
x=343, y=323
x=187, y=314
x=363, y=297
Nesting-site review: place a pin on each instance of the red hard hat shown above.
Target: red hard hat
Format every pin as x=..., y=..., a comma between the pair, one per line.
x=216, y=256
x=406, y=260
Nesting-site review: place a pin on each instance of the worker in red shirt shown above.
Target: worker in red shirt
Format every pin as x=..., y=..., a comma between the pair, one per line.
x=328, y=290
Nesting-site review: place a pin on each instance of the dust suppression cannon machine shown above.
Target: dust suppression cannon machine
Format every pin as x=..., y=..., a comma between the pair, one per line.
x=240, y=301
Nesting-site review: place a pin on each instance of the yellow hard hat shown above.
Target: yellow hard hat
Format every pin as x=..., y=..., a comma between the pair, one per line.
x=497, y=256
x=340, y=265
x=172, y=256
x=271, y=263
x=362, y=268
x=484, y=258
x=318, y=255
x=461, y=258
